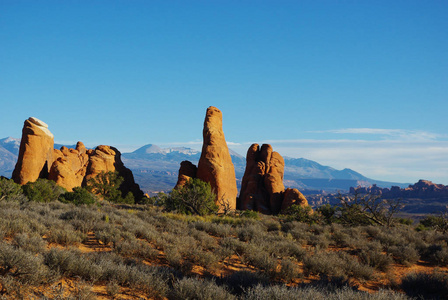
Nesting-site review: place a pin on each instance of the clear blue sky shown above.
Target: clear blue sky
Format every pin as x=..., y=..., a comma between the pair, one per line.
x=357, y=84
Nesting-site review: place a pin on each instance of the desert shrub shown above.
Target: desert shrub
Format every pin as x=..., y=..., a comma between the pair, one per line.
x=175, y=260
x=262, y=261
x=240, y=281
x=108, y=235
x=195, y=197
x=135, y=248
x=42, y=190
x=286, y=248
x=83, y=219
x=271, y=224
x=277, y=292
x=72, y=263
x=65, y=236
x=219, y=230
x=426, y=285
x=11, y=191
x=248, y=232
x=288, y=270
x=203, y=239
x=372, y=255
x=112, y=289
x=437, y=254
x=320, y=241
x=251, y=214
x=404, y=254
x=336, y=265
x=192, y=288
x=78, y=196
x=22, y=265
x=206, y=259
x=436, y=222
x=31, y=242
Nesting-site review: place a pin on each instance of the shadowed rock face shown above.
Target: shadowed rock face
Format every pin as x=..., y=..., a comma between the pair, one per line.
x=262, y=186
x=36, y=152
x=69, y=168
x=187, y=170
x=215, y=165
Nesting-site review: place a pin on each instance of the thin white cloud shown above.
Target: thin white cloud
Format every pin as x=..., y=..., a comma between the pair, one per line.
x=393, y=133
x=389, y=160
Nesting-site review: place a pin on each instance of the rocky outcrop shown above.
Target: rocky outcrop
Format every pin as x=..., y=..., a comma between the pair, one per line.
x=215, y=164
x=262, y=187
x=187, y=171
x=69, y=168
x=36, y=152
x=293, y=197
x=108, y=159
x=423, y=189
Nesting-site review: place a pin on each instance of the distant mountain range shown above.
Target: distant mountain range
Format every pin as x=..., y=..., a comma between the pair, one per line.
x=155, y=169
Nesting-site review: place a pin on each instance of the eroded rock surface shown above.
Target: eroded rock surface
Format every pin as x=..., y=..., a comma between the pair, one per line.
x=36, y=152
x=215, y=165
x=69, y=168
x=262, y=186
x=187, y=171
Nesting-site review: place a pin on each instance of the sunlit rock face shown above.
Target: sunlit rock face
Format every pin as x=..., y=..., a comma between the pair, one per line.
x=36, y=152
x=262, y=186
x=69, y=168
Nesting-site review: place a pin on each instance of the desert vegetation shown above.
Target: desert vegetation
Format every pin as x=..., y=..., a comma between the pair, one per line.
x=75, y=245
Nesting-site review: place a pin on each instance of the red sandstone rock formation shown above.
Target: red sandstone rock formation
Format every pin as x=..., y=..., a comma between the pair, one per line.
x=36, y=152
x=69, y=168
x=187, y=170
x=215, y=165
x=108, y=159
x=262, y=186
x=293, y=197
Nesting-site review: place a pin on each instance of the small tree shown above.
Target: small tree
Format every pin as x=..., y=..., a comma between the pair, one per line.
x=107, y=185
x=9, y=190
x=78, y=196
x=437, y=222
x=195, y=197
x=43, y=190
x=367, y=209
x=301, y=214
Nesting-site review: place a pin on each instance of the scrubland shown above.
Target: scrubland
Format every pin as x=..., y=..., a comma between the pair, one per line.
x=56, y=250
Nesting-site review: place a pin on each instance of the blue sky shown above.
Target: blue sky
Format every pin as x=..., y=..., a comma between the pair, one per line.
x=356, y=84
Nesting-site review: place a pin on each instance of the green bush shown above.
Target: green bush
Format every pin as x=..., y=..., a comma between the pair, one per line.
x=301, y=214
x=195, y=197
x=107, y=185
x=439, y=222
x=9, y=190
x=78, y=196
x=42, y=190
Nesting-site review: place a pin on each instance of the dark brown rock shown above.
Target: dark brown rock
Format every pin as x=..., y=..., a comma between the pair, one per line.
x=187, y=171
